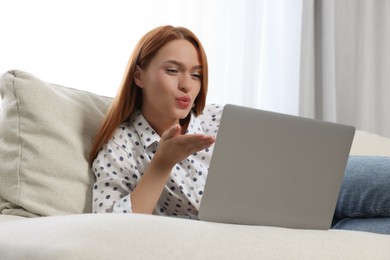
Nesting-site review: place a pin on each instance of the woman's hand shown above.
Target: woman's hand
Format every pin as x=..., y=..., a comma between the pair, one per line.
x=175, y=147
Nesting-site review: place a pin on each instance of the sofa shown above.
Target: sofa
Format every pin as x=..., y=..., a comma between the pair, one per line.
x=46, y=194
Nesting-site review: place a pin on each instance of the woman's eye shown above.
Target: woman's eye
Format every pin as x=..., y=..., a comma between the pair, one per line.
x=197, y=75
x=172, y=71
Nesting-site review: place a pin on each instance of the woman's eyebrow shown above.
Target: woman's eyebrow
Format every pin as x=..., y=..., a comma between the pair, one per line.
x=181, y=65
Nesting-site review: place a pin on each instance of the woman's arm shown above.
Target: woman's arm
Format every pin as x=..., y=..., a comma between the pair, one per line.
x=173, y=148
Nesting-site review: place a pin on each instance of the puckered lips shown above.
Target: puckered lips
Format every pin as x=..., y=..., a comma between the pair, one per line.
x=183, y=102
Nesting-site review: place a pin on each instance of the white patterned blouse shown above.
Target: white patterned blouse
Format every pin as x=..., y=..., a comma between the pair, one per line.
x=122, y=161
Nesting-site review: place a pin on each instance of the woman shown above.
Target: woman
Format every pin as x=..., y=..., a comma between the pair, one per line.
x=163, y=93
x=152, y=152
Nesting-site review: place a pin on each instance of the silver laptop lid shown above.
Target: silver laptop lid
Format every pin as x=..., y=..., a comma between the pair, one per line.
x=274, y=169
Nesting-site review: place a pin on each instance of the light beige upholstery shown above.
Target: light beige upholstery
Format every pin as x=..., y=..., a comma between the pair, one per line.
x=45, y=137
x=370, y=144
x=121, y=236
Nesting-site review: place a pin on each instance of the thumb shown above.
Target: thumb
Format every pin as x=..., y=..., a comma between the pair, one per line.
x=171, y=132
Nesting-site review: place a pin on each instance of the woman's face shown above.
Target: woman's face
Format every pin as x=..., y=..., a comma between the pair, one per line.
x=170, y=83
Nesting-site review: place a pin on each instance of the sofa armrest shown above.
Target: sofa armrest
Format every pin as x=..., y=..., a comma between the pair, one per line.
x=366, y=143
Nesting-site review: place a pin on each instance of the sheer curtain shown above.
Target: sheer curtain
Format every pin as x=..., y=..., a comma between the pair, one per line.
x=253, y=46
x=345, y=61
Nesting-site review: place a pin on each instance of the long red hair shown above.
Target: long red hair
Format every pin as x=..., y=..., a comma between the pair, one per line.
x=129, y=96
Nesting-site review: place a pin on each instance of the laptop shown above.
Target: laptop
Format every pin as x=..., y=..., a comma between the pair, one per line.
x=273, y=169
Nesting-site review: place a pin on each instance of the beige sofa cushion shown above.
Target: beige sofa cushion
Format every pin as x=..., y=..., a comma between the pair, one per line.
x=45, y=137
x=135, y=236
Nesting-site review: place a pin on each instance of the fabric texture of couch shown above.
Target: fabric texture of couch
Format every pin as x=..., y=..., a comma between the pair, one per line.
x=45, y=136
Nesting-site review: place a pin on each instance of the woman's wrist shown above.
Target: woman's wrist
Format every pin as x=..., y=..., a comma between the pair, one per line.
x=147, y=192
x=161, y=164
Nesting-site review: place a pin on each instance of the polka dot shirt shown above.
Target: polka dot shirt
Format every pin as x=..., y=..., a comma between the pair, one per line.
x=121, y=163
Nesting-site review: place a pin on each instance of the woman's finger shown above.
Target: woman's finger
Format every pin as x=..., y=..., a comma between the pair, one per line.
x=194, y=143
x=171, y=132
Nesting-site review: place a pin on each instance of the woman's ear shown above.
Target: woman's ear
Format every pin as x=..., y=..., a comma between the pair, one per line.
x=138, y=77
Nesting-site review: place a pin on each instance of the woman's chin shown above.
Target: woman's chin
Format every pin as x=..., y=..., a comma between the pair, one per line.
x=183, y=113
x=183, y=117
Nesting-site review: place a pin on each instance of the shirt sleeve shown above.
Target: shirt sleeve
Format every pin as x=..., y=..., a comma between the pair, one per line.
x=114, y=180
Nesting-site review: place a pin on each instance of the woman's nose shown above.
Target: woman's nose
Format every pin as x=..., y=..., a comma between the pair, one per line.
x=185, y=83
